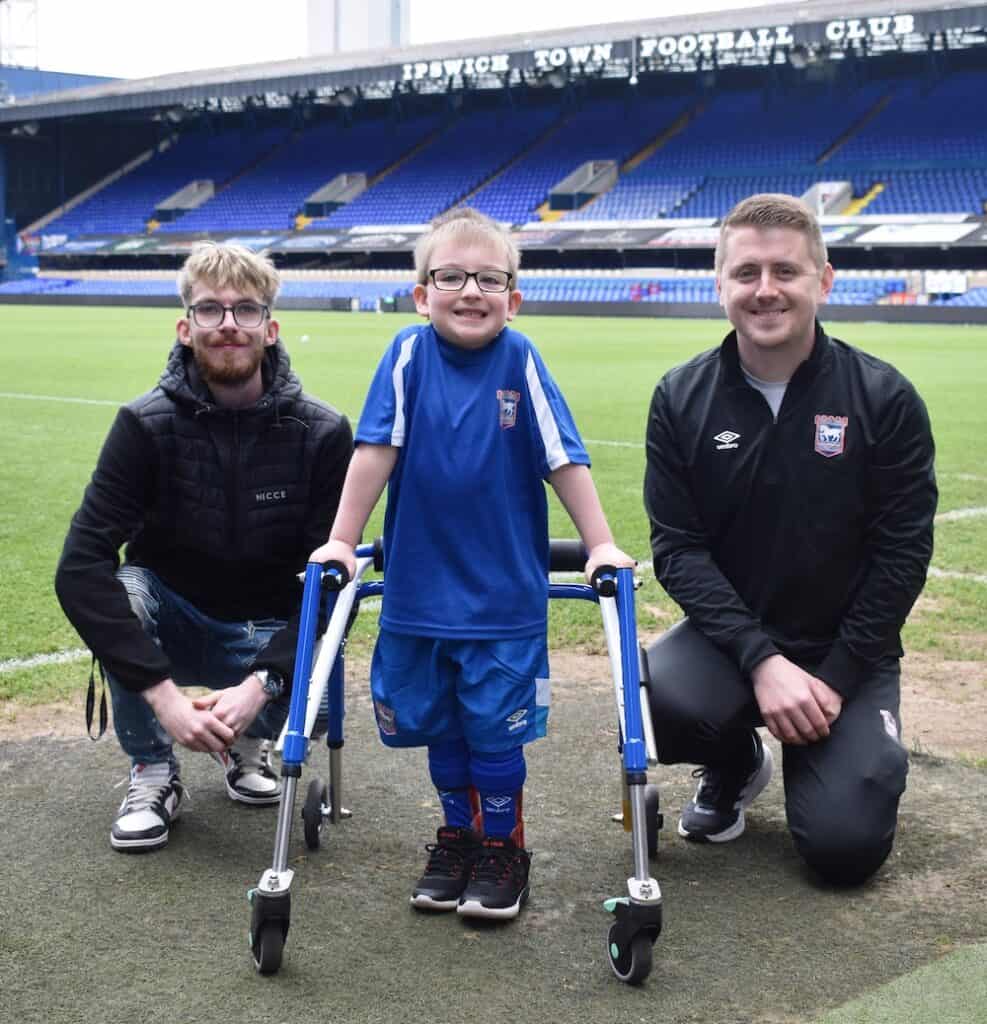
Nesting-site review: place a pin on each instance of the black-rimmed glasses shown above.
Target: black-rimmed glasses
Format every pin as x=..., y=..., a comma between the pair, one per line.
x=453, y=279
x=212, y=314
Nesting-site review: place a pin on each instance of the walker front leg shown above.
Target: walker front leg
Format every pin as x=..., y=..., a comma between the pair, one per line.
x=638, y=916
x=271, y=899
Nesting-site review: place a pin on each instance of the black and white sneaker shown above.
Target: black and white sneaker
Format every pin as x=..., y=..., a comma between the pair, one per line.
x=450, y=861
x=716, y=813
x=498, y=885
x=250, y=778
x=153, y=801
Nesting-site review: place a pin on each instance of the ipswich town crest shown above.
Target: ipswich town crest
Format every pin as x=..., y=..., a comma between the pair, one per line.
x=831, y=434
x=507, y=401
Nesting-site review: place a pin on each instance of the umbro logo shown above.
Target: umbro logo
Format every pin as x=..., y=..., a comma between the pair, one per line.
x=517, y=720
x=727, y=439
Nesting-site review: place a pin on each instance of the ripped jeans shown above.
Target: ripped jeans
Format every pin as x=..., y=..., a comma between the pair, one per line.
x=203, y=652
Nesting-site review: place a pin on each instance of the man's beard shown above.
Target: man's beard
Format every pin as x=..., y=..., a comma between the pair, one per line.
x=220, y=365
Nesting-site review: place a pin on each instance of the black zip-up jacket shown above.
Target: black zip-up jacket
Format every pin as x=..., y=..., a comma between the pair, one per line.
x=223, y=505
x=810, y=536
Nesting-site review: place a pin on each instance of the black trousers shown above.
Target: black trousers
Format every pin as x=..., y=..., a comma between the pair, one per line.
x=841, y=793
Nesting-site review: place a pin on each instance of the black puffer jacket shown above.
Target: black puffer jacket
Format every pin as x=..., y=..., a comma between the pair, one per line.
x=223, y=505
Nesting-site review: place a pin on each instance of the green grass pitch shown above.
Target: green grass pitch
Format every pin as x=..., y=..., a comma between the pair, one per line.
x=64, y=370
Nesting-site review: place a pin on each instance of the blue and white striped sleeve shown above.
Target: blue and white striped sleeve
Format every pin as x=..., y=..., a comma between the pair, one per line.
x=554, y=425
x=382, y=420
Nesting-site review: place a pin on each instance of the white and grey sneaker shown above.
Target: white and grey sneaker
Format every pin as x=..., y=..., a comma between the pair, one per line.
x=250, y=778
x=153, y=801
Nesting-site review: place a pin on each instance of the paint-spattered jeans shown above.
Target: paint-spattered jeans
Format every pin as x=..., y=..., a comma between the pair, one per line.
x=203, y=652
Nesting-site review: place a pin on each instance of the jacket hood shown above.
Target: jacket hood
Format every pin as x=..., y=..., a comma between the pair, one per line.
x=182, y=382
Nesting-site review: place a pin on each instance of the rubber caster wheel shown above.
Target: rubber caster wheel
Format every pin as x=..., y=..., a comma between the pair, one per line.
x=652, y=819
x=268, y=948
x=633, y=963
x=316, y=798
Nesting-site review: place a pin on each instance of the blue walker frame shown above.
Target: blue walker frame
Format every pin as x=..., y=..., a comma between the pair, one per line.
x=319, y=670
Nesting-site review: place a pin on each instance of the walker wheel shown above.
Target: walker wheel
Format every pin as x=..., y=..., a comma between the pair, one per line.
x=632, y=964
x=267, y=947
x=316, y=797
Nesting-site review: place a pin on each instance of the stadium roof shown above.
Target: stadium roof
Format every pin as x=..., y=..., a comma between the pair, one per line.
x=616, y=48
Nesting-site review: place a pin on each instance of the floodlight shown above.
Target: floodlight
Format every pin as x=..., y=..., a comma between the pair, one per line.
x=798, y=57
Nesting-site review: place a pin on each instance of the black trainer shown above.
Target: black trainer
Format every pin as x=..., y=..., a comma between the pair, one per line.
x=716, y=813
x=153, y=801
x=450, y=860
x=498, y=885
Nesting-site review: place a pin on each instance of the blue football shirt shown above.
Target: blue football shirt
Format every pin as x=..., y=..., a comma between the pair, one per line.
x=466, y=525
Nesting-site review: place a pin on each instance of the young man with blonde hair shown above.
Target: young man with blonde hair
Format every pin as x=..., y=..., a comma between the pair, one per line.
x=219, y=480
x=791, y=493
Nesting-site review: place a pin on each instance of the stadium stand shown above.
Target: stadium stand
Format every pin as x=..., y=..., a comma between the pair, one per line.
x=273, y=193
x=127, y=204
x=471, y=150
x=369, y=295
x=738, y=143
x=904, y=129
x=926, y=148
x=611, y=129
x=975, y=297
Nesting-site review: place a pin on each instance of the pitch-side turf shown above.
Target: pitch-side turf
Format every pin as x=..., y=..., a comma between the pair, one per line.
x=88, y=934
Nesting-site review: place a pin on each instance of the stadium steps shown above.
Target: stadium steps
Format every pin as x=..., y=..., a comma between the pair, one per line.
x=855, y=128
x=464, y=199
x=69, y=204
x=692, y=192
x=858, y=204
x=413, y=152
x=247, y=169
x=670, y=132
x=678, y=125
x=400, y=162
x=547, y=214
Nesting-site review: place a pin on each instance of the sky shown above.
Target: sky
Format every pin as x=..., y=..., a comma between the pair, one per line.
x=125, y=39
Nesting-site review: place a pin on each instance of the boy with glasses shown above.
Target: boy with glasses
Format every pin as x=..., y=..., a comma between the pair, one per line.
x=219, y=480
x=464, y=425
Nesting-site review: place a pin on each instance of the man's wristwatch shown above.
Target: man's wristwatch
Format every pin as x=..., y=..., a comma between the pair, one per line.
x=271, y=683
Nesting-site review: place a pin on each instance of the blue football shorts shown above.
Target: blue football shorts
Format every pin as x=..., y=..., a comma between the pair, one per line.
x=491, y=693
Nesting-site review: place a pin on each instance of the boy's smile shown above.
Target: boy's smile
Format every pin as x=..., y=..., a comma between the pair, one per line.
x=470, y=317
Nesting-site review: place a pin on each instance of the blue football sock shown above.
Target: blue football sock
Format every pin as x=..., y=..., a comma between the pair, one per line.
x=499, y=778
x=448, y=766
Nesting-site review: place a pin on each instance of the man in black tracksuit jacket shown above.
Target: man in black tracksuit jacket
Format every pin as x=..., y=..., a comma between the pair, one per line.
x=791, y=494
x=220, y=481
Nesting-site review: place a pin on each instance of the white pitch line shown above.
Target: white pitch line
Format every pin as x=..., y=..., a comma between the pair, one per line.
x=615, y=444
x=960, y=513
x=60, y=398
x=948, y=574
x=105, y=401
x=58, y=658
x=589, y=440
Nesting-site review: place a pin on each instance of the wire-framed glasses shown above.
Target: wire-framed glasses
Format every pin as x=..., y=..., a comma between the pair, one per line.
x=211, y=313
x=453, y=279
